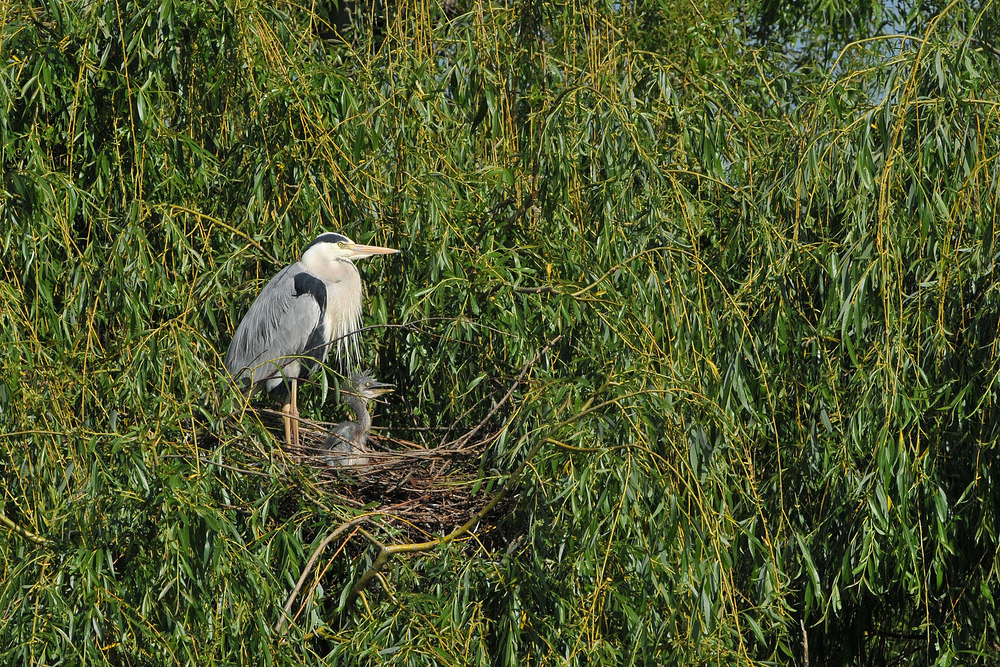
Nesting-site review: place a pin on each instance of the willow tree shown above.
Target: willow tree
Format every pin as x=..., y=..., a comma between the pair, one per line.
x=695, y=310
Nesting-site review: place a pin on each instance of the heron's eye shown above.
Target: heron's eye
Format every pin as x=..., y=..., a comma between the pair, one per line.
x=340, y=244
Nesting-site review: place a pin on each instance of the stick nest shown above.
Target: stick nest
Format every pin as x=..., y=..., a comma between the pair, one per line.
x=429, y=487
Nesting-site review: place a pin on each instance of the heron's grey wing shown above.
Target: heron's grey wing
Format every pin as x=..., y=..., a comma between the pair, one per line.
x=341, y=438
x=343, y=446
x=279, y=326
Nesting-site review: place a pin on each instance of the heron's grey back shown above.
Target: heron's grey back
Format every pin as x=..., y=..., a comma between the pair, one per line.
x=275, y=331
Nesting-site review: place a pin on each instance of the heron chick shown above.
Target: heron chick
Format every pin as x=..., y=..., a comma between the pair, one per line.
x=289, y=329
x=347, y=440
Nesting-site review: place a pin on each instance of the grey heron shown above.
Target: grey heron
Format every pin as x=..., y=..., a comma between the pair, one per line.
x=306, y=308
x=347, y=440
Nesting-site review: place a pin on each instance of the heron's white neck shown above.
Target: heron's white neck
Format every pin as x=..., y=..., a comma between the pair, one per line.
x=343, y=301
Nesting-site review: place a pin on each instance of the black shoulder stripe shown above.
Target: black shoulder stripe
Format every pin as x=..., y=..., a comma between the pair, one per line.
x=306, y=283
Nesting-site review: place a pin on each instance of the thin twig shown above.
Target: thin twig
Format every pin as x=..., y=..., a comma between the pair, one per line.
x=401, y=482
x=805, y=643
x=461, y=442
x=210, y=462
x=411, y=326
x=989, y=47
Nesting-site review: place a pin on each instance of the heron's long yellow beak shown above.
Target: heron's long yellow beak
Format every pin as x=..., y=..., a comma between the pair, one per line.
x=360, y=250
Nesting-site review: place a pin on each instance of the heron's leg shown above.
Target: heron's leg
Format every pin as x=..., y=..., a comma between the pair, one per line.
x=295, y=413
x=286, y=411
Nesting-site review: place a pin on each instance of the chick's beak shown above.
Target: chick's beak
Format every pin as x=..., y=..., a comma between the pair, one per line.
x=383, y=389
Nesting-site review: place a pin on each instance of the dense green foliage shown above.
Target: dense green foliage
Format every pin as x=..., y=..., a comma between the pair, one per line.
x=762, y=239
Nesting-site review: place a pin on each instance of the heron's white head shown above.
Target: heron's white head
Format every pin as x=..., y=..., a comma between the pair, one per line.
x=333, y=247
